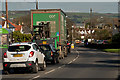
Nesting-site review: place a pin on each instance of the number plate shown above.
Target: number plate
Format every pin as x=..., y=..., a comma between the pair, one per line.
x=18, y=55
x=44, y=42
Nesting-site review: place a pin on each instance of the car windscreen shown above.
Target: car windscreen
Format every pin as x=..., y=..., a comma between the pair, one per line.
x=18, y=48
x=45, y=47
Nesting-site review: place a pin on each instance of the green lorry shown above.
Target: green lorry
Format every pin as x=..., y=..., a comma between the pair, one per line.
x=50, y=23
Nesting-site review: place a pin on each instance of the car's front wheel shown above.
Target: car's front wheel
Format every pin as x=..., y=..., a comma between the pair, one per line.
x=43, y=66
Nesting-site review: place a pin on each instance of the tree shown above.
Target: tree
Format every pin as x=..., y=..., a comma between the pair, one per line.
x=116, y=38
x=18, y=37
x=102, y=34
x=69, y=24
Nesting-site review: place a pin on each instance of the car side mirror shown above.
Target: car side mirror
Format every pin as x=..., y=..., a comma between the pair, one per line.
x=38, y=50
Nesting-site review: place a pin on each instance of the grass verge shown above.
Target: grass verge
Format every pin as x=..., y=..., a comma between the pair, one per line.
x=112, y=50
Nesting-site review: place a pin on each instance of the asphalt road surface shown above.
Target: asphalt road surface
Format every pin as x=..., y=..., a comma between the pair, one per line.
x=82, y=63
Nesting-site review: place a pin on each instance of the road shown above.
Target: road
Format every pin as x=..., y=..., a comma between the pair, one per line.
x=82, y=63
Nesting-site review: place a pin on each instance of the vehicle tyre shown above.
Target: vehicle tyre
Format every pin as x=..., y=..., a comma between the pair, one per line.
x=43, y=66
x=57, y=60
x=6, y=72
x=11, y=71
x=53, y=61
x=65, y=55
x=35, y=68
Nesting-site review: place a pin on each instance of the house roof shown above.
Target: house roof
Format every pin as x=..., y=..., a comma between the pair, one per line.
x=11, y=25
x=18, y=27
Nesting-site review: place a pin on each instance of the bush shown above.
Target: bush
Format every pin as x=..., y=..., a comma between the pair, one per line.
x=116, y=38
x=19, y=37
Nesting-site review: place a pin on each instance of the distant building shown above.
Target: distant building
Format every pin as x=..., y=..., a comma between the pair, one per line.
x=80, y=25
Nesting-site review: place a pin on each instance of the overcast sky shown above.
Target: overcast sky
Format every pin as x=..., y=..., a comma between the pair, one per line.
x=62, y=0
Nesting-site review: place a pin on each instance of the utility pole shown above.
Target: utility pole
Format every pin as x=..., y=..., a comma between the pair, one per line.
x=91, y=23
x=36, y=4
x=119, y=16
x=6, y=14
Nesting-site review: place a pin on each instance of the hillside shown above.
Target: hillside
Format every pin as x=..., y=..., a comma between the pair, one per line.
x=81, y=17
x=74, y=16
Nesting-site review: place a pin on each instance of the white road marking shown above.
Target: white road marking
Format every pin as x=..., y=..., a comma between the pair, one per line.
x=50, y=71
x=75, y=58
x=70, y=62
x=59, y=67
x=35, y=77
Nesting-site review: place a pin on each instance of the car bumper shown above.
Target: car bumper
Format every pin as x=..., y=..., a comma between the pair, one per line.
x=48, y=59
x=7, y=65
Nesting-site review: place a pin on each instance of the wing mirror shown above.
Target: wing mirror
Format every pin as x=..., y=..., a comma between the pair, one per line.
x=38, y=50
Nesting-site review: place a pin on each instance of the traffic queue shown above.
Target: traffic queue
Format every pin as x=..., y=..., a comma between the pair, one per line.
x=31, y=56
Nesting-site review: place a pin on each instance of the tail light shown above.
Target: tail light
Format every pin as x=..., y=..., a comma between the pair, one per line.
x=31, y=54
x=67, y=43
x=6, y=65
x=5, y=55
x=51, y=53
x=29, y=64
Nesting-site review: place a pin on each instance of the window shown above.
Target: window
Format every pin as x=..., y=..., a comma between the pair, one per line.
x=35, y=47
x=45, y=47
x=19, y=48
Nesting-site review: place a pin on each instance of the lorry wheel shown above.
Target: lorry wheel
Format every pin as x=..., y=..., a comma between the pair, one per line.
x=35, y=68
x=57, y=60
x=43, y=66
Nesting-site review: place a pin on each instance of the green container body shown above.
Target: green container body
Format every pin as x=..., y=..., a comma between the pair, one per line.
x=57, y=20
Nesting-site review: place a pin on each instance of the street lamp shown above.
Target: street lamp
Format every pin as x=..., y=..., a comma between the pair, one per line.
x=72, y=34
x=72, y=45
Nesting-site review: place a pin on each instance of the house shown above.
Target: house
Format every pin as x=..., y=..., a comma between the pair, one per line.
x=11, y=26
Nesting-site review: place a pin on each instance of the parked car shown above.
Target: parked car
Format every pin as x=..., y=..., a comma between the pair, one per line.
x=105, y=42
x=51, y=54
x=102, y=42
x=77, y=41
x=24, y=55
x=99, y=41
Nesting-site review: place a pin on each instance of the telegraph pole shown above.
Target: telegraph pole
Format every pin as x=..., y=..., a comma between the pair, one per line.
x=119, y=16
x=91, y=23
x=6, y=14
x=36, y=4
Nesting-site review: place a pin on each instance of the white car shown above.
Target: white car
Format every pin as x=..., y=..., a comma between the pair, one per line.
x=24, y=55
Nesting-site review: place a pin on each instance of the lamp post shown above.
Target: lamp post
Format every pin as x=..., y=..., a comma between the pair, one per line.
x=72, y=34
x=72, y=45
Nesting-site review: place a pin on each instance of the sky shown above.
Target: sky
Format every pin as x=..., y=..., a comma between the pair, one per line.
x=99, y=7
x=61, y=0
